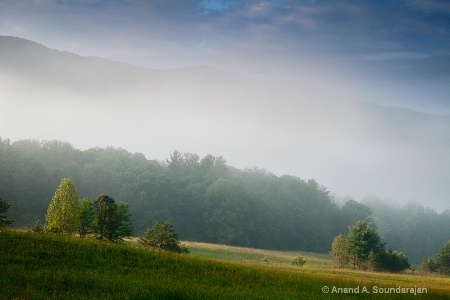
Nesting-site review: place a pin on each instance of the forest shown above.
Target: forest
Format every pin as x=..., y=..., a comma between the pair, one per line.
x=209, y=201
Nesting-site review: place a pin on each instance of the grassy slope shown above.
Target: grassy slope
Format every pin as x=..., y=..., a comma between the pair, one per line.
x=46, y=267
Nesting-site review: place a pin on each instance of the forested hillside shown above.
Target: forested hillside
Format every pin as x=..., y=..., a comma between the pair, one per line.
x=206, y=199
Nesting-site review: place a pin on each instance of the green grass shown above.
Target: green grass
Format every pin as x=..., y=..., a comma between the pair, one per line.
x=39, y=266
x=278, y=259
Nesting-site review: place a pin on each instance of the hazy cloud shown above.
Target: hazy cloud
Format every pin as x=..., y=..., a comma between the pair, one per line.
x=396, y=53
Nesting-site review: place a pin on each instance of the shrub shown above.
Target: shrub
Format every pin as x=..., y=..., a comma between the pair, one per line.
x=299, y=261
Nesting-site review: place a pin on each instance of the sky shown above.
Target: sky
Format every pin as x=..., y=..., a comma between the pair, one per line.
x=394, y=53
x=388, y=47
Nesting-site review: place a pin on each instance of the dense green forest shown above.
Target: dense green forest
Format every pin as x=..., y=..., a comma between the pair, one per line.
x=207, y=200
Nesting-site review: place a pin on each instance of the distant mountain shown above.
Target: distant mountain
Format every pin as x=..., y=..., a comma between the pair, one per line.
x=351, y=146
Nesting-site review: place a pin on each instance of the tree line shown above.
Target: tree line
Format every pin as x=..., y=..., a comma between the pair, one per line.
x=204, y=198
x=104, y=218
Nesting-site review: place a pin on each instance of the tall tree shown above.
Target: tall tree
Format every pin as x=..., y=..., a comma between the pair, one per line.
x=339, y=251
x=63, y=213
x=87, y=215
x=3, y=210
x=363, y=241
x=112, y=221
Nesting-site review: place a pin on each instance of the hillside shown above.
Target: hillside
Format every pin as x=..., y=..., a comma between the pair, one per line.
x=38, y=266
x=207, y=199
x=289, y=127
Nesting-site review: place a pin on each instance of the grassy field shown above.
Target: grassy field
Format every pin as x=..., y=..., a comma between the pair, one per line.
x=39, y=266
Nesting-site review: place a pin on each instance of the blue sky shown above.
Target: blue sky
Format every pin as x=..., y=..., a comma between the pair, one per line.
x=393, y=52
x=376, y=30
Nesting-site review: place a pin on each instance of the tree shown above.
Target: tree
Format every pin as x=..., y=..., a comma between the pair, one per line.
x=390, y=261
x=3, y=210
x=339, y=251
x=363, y=241
x=354, y=211
x=123, y=225
x=163, y=237
x=111, y=220
x=443, y=259
x=298, y=261
x=37, y=227
x=64, y=209
x=87, y=215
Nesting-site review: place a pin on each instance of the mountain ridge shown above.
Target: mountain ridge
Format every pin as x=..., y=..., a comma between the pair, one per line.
x=288, y=127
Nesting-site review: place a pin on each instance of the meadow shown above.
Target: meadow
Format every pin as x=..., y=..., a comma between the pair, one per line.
x=41, y=266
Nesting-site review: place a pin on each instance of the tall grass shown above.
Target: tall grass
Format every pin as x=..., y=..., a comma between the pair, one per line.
x=40, y=266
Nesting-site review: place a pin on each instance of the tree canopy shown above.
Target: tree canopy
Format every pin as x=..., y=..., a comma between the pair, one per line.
x=111, y=219
x=64, y=209
x=207, y=200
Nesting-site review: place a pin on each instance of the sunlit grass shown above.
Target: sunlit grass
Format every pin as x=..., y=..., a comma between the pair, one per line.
x=258, y=256
x=40, y=266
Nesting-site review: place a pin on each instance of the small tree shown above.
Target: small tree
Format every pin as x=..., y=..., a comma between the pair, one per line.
x=298, y=261
x=63, y=213
x=428, y=265
x=4, y=207
x=443, y=259
x=111, y=221
x=339, y=251
x=163, y=237
x=37, y=227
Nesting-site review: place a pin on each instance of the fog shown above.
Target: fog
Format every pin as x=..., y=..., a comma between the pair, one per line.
x=307, y=125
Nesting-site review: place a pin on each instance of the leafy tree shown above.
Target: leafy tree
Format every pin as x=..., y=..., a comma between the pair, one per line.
x=111, y=221
x=123, y=222
x=37, y=227
x=362, y=241
x=64, y=209
x=162, y=236
x=443, y=259
x=3, y=210
x=87, y=215
x=339, y=251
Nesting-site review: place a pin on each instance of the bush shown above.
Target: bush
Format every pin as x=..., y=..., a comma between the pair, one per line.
x=427, y=266
x=299, y=261
x=390, y=261
x=162, y=236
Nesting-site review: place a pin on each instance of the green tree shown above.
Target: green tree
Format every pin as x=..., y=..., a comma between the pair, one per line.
x=63, y=213
x=162, y=236
x=3, y=210
x=37, y=227
x=111, y=221
x=339, y=251
x=354, y=211
x=390, y=261
x=363, y=241
x=443, y=259
x=87, y=215
x=123, y=223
